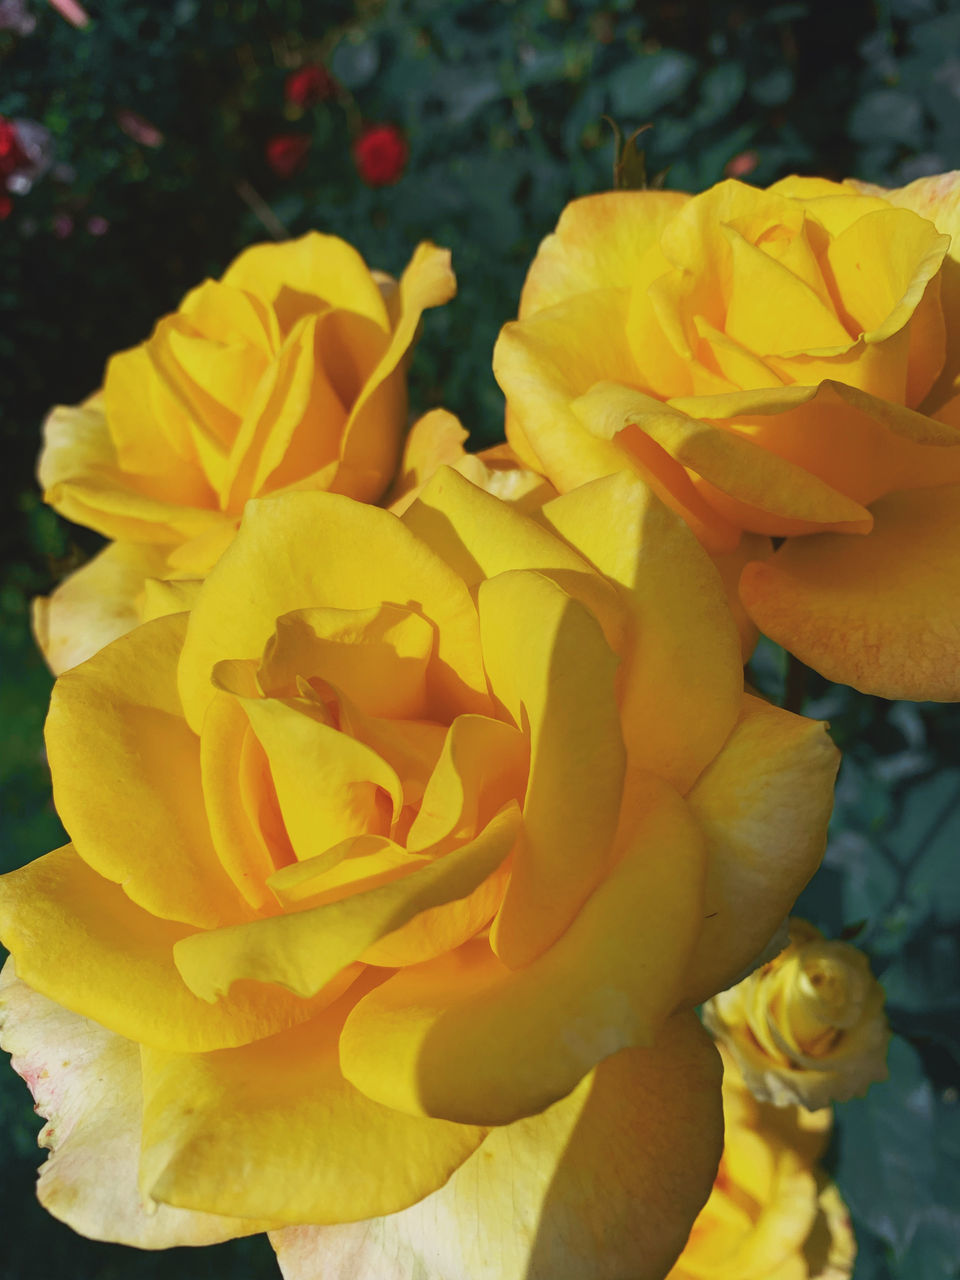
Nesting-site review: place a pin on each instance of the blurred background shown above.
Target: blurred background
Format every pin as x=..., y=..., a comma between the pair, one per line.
x=141, y=146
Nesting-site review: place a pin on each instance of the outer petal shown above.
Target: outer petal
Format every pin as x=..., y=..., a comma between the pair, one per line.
x=764, y=804
x=605, y=241
x=549, y=664
x=369, y=558
x=433, y=441
x=731, y=462
x=305, y=950
x=371, y=440
x=544, y=363
x=97, y=603
x=685, y=653
x=80, y=478
x=880, y=613
x=603, y=1185
x=115, y=723
x=861, y=446
x=78, y=940
x=86, y=1083
x=274, y=1128
x=465, y=1038
x=936, y=198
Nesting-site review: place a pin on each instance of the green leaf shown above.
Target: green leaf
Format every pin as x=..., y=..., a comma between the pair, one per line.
x=884, y=1143
x=648, y=84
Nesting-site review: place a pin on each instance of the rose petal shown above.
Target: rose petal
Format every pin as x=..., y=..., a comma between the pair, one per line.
x=274, y=1128
x=685, y=654
x=880, y=613
x=604, y=1184
x=86, y=1084
x=764, y=804
x=468, y=1039
x=304, y=950
x=79, y=940
x=97, y=603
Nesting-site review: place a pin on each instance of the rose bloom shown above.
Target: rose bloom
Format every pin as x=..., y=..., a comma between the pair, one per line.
x=381, y=154
x=286, y=153
x=287, y=373
x=309, y=85
x=772, y=1214
x=397, y=864
x=782, y=367
x=807, y=1027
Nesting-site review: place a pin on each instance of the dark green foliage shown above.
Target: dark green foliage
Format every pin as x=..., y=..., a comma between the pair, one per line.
x=502, y=102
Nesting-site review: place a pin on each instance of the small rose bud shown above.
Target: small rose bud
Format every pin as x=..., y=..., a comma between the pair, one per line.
x=808, y=1027
x=286, y=153
x=309, y=85
x=381, y=154
x=12, y=154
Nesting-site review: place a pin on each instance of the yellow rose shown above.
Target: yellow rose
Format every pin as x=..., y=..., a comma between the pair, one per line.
x=396, y=868
x=808, y=1027
x=287, y=373
x=779, y=364
x=772, y=1214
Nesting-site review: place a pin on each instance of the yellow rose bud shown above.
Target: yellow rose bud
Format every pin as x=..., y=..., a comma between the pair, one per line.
x=780, y=364
x=772, y=1213
x=807, y=1027
x=397, y=863
x=287, y=373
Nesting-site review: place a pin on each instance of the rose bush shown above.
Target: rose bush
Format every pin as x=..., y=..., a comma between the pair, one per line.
x=778, y=364
x=807, y=1027
x=396, y=868
x=772, y=1214
x=287, y=373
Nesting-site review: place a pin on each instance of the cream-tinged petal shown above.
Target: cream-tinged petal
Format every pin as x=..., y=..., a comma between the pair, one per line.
x=465, y=1038
x=97, y=603
x=85, y=1081
x=880, y=613
x=549, y=664
x=368, y=558
x=77, y=939
x=163, y=596
x=275, y=1129
x=685, y=653
x=602, y=1185
x=764, y=804
x=602, y=241
x=115, y=725
x=304, y=950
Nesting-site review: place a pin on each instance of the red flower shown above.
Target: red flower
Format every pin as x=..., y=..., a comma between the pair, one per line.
x=6, y=207
x=381, y=154
x=286, y=152
x=310, y=85
x=12, y=154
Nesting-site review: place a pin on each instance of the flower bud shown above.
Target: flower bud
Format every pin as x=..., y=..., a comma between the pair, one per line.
x=808, y=1027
